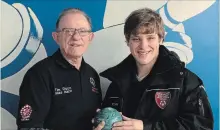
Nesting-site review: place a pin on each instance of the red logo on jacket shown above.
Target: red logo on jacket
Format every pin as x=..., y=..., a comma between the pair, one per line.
x=162, y=99
x=25, y=112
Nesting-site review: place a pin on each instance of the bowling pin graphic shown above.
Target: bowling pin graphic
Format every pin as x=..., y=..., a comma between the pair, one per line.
x=174, y=13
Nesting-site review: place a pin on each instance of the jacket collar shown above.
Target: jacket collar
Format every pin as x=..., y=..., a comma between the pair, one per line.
x=61, y=61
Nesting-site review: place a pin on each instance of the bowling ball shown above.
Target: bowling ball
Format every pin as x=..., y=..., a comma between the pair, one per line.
x=109, y=116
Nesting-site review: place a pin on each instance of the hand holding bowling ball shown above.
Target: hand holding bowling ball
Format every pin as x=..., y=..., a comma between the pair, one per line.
x=109, y=116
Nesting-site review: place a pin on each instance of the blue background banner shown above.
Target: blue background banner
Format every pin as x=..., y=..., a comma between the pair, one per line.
x=192, y=31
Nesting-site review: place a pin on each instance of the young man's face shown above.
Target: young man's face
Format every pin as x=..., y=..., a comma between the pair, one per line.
x=144, y=47
x=74, y=35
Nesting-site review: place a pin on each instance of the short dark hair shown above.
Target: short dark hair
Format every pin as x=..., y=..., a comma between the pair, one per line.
x=144, y=20
x=72, y=10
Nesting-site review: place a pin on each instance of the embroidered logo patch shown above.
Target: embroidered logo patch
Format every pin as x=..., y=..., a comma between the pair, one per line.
x=94, y=89
x=25, y=112
x=162, y=99
x=92, y=81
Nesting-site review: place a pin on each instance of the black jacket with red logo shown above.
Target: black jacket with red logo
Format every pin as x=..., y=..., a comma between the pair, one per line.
x=55, y=95
x=170, y=98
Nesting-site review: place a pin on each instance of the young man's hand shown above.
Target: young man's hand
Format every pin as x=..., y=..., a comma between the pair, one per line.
x=128, y=124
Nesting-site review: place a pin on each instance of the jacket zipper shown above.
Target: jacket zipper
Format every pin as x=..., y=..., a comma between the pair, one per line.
x=139, y=103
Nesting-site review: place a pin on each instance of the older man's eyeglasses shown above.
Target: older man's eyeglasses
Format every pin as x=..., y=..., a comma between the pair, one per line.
x=72, y=31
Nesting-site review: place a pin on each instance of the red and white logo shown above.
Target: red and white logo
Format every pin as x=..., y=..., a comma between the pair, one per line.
x=94, y=89
x=25, y=112
x=162, y=99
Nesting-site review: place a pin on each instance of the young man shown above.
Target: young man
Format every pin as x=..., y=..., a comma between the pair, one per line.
x=151, y=87
x=62, y=92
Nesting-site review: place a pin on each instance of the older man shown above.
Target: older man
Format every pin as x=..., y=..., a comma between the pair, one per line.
x=62, y=92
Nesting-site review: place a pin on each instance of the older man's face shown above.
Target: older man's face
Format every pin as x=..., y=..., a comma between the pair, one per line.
x=73, y=35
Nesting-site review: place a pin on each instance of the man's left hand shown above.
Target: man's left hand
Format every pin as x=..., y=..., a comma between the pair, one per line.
x=128, y=124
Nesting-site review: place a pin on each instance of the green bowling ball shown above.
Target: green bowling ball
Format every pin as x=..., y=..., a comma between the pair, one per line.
x=109, y=115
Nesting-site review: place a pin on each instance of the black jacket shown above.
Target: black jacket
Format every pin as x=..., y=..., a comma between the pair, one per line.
x=173, y=99
x=55, y=95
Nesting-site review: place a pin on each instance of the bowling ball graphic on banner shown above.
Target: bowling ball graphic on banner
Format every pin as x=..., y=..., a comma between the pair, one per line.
x=109, y=116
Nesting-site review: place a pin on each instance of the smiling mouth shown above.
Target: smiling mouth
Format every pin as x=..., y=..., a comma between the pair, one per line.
x=143, y=52
x=75, y=45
